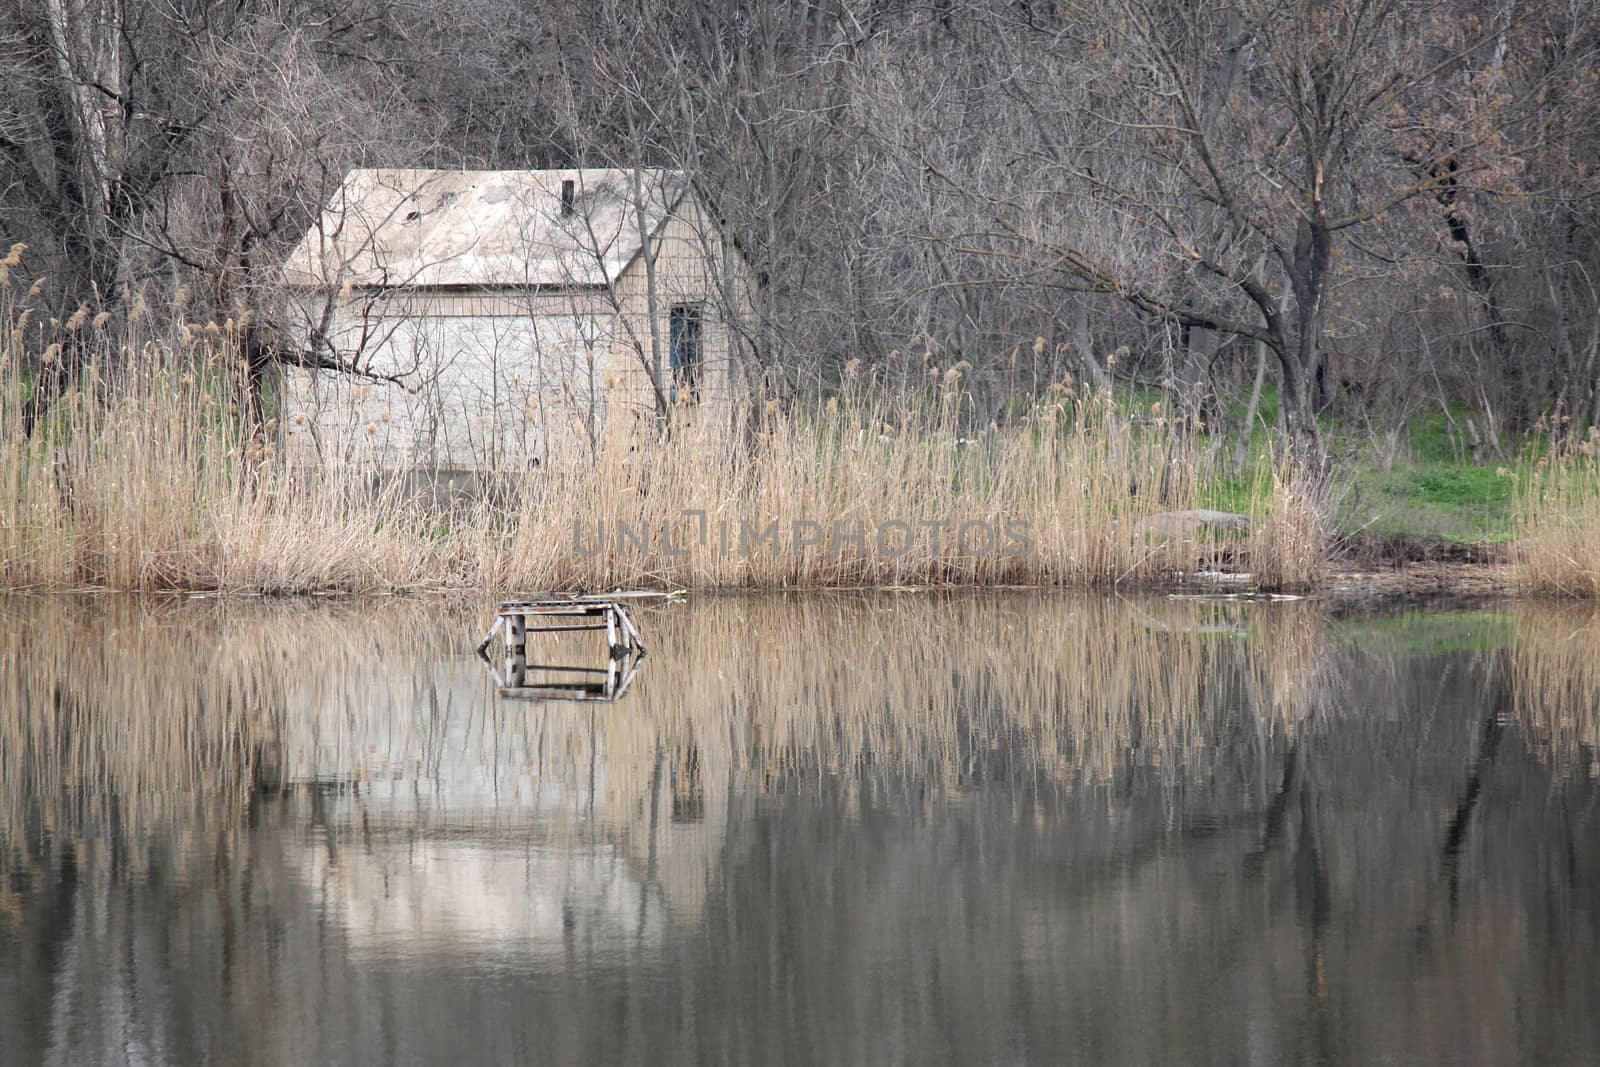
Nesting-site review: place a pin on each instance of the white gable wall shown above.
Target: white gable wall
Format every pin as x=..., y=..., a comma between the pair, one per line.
x=475, y=392
x=497, y=379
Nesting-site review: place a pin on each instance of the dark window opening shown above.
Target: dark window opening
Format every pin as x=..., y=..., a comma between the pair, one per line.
x=684, y=337
x=568, y=194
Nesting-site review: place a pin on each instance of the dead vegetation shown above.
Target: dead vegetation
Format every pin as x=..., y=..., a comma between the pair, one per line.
x=1558, y=521
x=153, y=473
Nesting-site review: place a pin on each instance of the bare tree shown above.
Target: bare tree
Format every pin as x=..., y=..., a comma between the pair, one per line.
x=184, y=143
x=1388, y=197
x=1207, y=163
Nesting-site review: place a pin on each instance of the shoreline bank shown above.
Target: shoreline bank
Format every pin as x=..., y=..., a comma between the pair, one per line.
x=1344, y=585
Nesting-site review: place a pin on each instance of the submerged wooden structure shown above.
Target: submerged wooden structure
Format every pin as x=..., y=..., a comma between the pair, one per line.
x=521, y=680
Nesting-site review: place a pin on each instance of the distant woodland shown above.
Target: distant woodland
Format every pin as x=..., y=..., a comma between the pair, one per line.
x=1373, y=205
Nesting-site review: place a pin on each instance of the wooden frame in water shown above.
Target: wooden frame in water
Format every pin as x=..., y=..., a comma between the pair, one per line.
x=518, y=618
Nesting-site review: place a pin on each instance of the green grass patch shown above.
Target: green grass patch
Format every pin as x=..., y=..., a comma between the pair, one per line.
x=1424, y=486
x=1420, y=486
x=1463, y=504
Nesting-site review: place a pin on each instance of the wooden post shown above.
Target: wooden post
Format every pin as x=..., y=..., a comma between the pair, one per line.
x=635, y=639
x=483, y=649
x=516, y=634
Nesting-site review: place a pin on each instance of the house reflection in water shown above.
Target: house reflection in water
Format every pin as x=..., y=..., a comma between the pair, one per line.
x=446, y=821
x=866, y=828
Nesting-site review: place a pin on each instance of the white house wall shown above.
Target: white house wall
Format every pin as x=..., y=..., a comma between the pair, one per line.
x=474, y=392
x=508, y=379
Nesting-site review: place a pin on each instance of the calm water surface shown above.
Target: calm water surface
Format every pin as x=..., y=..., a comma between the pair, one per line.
x=882, y=829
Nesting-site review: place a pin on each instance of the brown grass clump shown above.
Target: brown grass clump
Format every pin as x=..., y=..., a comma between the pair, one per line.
x=1289, y=546
x=873, y=492
x=155, y=487
x=1558, y=521
x=147, y=476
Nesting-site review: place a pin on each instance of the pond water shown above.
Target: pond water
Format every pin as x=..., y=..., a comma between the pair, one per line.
x=840, y=829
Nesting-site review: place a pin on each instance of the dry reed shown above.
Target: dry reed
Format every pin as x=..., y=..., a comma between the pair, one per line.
x=142, y=478
x=1289, y=547
x=1558, y=520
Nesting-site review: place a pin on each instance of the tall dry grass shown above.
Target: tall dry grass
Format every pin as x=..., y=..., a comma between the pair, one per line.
x=143, y=477
x=1558, y=520
x=873, y=490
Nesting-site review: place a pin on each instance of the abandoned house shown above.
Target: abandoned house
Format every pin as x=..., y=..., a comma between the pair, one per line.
x=501, y=320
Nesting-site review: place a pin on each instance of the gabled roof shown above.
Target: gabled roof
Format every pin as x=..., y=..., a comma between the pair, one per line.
x=417, y=228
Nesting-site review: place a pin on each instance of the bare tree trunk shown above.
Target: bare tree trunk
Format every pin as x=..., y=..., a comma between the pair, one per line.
x=1241, y=450
x=1083, y=344
x=651, y=296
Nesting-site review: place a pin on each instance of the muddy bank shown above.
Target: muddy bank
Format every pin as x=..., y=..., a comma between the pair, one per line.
x=1376, y=551
x=1419, y=583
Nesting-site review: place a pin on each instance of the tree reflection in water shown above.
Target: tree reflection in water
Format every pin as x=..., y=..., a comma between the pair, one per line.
x=852, y=828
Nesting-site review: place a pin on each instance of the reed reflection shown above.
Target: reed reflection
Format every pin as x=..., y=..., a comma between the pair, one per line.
x=873, y=826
